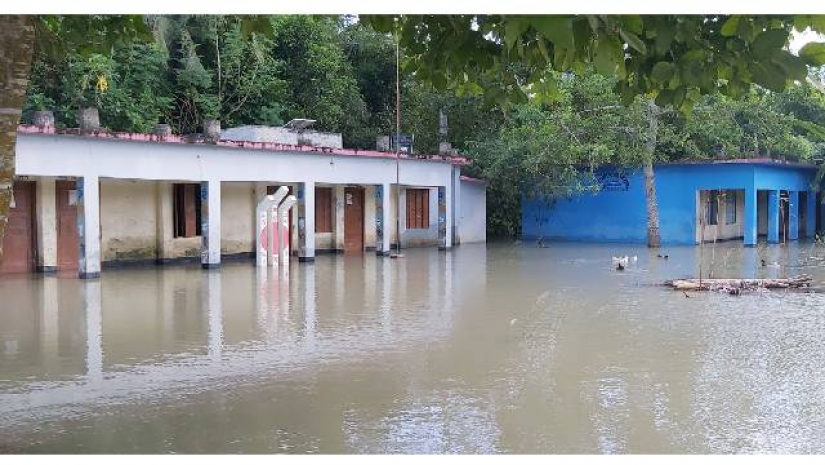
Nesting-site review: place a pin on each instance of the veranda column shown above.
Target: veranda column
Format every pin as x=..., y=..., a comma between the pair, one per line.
x=810, y=214
x=165, y=225
x=773, y=217
x=45, y=205
x=750, y=218
x=793, y=215
x=210, y=224
x=383, y=209
x=88, y=226
x=306, y=221
x=444, y=221
x=456, y=205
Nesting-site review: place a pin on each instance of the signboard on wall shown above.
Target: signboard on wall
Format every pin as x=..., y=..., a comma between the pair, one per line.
x=613, y=181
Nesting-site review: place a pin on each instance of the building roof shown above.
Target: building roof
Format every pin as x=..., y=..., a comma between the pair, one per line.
x=265, y=146
x=745, y=161
x=472, y=180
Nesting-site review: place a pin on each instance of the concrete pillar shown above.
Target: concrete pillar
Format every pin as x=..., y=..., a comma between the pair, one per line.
x=338, y=218
x=88, y=226
x=306, y=221
x=751, y=217
x=258, y=194
x=793, y=215
x=210, y=224
x=445, y=220
x=46, y=212
x=773, y=217
x=164, y=231
x=456, y=205
x=450, y=212
x=383, y=209
x=810, y=214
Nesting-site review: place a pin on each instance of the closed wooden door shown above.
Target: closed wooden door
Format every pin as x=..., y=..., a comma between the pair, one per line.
x=18, y=243
x=67, y=240
x=353, y=219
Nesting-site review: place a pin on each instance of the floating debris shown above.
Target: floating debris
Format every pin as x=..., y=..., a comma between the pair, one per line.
x=735, y=286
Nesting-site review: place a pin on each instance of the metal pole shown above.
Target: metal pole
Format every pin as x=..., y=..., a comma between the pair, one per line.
x=397, y=145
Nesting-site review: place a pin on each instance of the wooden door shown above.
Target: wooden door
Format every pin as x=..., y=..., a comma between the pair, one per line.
x=18, y=244
x=67, y=240
x=354, y=219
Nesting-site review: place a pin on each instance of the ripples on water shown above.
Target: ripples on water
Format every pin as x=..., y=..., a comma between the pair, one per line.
x=481, y=350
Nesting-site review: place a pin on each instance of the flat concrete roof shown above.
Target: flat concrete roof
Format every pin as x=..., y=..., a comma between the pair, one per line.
x=184, y=140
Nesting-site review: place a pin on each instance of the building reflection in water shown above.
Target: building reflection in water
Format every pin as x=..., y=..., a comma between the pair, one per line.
x=213, y=297
x=164, y=337
x=94, y=330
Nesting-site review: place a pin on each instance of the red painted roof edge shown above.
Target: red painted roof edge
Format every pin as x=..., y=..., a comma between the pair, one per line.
x=174, y=139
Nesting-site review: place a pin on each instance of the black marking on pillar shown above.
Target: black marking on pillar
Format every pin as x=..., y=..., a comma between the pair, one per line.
x=379, y=220
x=442, y=216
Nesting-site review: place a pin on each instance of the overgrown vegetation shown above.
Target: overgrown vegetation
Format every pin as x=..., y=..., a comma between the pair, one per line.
x=341, y=72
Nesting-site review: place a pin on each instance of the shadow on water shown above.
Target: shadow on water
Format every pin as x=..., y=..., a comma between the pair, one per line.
x=504, y=348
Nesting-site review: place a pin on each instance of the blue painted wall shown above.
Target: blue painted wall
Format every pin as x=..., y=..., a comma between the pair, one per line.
x=620, y=215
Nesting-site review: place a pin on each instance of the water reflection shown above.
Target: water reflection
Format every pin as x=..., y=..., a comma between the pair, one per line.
x=499, y=349
x=94, y=329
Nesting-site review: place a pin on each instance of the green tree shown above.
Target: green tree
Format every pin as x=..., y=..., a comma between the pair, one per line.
x=57, y=34
x=320, y=81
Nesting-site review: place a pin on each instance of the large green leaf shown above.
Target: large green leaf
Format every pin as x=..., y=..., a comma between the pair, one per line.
x=608, y=53
x=634, y=41
x=556, y=29
x=665, y=32
x=662, y=71
x=768, y=75
x=813, y=53
x=731, y=26
x=768, y=42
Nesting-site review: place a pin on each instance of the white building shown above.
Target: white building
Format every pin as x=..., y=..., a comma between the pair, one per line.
x=84, y=201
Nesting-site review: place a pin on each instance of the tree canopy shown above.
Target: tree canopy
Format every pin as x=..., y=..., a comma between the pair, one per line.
x=674, y=58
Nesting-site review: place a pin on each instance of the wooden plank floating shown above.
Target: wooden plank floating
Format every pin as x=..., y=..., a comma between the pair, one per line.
x=723, y=284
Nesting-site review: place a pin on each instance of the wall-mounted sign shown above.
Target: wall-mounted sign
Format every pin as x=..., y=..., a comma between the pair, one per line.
x=73, y=197
x=613, y=182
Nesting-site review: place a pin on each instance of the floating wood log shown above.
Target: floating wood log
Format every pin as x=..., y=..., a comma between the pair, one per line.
x=695, y=284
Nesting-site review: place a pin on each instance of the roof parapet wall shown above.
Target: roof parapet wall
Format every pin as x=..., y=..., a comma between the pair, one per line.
x=265, y=146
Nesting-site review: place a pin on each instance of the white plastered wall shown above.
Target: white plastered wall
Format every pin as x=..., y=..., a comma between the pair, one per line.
x=128, y=224
x=472, y=223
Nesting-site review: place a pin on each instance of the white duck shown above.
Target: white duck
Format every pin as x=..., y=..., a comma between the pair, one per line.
x=624, y=261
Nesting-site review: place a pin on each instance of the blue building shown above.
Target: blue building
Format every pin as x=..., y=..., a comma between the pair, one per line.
x=714, y=200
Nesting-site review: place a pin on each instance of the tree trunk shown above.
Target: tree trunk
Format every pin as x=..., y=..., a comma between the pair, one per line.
x=16, y=46
x=653, y=237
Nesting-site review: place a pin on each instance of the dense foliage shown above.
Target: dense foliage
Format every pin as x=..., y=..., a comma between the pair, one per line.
x=543, y=139
x=551, y=148
x=674, y=58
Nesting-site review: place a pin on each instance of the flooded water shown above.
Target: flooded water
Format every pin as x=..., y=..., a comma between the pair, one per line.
x=504, y=348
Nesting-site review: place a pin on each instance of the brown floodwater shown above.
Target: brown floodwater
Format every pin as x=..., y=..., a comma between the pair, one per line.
x=503, y=348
